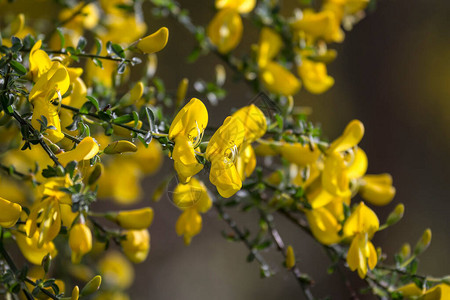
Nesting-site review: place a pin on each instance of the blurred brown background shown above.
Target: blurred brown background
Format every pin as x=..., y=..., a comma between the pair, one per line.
x=393, y=74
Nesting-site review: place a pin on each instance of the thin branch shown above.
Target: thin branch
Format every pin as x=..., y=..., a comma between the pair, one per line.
x=232, y=224
x=76, y=110
x=303, y=279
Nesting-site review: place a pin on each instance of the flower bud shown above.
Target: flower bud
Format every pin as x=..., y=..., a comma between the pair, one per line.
x=290, y=257
x=46, y=262
x=119, y=147
x=423, y=243
x=134, y=95
x=75, y=293
x=92, y=286
x=181, y=91
x=135, y=219
x=80, y=241
x=10, y=213
x=124, y=132
x=154, y=42
x=136, y=245
x=396, y=215
x=405, y=251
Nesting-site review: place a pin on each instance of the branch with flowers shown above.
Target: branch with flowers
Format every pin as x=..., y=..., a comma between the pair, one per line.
x=77, y=124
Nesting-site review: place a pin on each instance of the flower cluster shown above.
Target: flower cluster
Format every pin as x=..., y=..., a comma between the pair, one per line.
x=77, y=125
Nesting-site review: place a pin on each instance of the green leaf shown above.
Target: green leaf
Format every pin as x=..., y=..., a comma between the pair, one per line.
x=98, y=45
x=18, y=67
x=82, y=42
x=150, y=118
x=98, y=63
x=123, y=119
x=117, y=49
x=94, y=102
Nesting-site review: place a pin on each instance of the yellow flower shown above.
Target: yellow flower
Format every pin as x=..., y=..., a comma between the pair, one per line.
x=88, y=18
x=351, y=136
x=80, y=241
x=314, y=76
x=363, y=219
x=186, y=131
x=192, y=194
x=254, y=122
x=279, y=80
x=242, y=6
x=154, y=42
x=40, y=62
x=121, y=182
x=246, y=161
x=324, y=225
x=255, y=126
x=438, y=292
x=85, y=150
x=193, y=197
x=135, y=219
x=136, y=245
x=44, y=220
x=225, y=30
x=10, y=213
x=50, y=86
x=222, y=151
x=116, y=271
x=377, y=189
x=269, y=46
x=52, y=189
x=31, y=251
x=323, y=24
x=301, y=155
x=360, y=254
x=189, y=224
x=335, y=175
x=361, y=225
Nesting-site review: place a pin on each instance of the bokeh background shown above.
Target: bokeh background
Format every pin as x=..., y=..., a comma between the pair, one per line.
x=393, y=74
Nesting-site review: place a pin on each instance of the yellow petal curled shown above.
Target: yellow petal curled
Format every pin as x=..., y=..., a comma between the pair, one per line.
x=136, y=245
x=352, y=135
x=301, y=155
x=189, y=224
x=377, y=189
x=225, y=30
x=85, y=150
x=363, y=219
x=154, y=42
x=135, y=219
x=242, y=6
x=269, y=45
x=315, y=77
x=279, y=80
x=254, y=122
x=192, y=194
x=324, y=226
x=80, y=241
x=9, y=213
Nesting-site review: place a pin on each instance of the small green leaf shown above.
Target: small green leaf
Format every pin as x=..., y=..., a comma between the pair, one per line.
x=18, y=67
x=94, y=101
x=82, y=42
x=98, y=45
